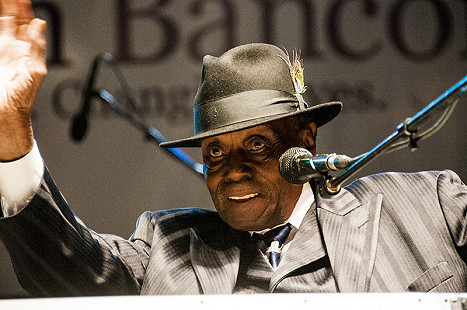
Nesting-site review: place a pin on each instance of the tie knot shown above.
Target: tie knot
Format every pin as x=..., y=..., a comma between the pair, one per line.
x=279, y=234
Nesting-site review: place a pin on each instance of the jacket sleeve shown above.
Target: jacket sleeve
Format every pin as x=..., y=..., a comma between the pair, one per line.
x=54, y=254
x=452, y=194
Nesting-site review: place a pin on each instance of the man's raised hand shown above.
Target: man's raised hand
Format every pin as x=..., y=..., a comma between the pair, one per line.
x=22, y=67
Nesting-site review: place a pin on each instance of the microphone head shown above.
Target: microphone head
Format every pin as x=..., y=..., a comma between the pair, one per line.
x=79, y=126
x=288, y=166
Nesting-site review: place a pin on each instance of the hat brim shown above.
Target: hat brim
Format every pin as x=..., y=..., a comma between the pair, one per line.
x=319, y=114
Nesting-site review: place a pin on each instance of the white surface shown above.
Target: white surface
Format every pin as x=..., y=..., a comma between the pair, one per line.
x=373, y=301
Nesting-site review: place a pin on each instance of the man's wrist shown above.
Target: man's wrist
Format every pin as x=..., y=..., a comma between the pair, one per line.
x=16, y=138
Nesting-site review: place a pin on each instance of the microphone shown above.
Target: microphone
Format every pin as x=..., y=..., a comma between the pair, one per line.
x=80, y=121
x=298, y=166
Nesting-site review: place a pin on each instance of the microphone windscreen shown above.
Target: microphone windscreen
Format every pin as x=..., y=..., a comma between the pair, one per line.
x=288, y=167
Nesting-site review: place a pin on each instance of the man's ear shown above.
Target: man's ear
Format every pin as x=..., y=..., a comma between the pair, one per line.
x=307, y=137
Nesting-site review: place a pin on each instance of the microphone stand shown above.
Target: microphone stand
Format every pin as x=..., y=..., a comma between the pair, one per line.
x=150, y=133
x=406, y=131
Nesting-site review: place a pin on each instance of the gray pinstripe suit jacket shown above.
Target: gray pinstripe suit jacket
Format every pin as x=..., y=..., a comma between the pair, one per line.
x=386, y=232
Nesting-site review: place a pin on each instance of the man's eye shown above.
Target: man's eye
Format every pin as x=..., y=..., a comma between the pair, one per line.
x=257, y=145
x=215, y=152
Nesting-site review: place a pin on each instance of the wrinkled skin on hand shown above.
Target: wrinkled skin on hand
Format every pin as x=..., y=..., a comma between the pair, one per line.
x=22, y=68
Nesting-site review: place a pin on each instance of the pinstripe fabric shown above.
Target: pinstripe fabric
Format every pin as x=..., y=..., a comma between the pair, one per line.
x=255, y=271
x=407, y=244
x=54, y=255
x=387, y=232
x=305, y=267
x=350, y=232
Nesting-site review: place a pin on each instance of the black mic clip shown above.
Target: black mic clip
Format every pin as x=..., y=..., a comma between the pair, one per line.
x=80, y=120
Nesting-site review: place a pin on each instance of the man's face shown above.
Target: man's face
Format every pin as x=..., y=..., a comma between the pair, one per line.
x=243, y=176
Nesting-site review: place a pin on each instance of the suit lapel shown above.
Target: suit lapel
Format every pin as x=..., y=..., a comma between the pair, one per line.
x=306, y=247
x=216, y=269
x=370, y=242
x=350, y=230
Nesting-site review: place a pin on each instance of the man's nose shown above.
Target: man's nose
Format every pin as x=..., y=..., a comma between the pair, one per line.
x=238, y=168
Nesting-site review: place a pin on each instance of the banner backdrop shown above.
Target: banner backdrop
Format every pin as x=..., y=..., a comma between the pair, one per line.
x=385, y=60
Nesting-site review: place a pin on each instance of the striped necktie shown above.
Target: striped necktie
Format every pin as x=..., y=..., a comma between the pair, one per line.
x=274, y=240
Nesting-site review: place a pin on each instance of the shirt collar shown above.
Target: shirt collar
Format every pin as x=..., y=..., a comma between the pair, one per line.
x=303, y=205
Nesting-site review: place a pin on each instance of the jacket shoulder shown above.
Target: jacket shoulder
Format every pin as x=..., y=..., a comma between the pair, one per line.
x=206, y=223
x=183, y=218
x=395, y=182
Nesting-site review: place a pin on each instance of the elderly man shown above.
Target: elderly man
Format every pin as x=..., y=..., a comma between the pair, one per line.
x=389, y=232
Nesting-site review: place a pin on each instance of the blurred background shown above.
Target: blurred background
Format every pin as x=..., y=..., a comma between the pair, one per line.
x=384, y=59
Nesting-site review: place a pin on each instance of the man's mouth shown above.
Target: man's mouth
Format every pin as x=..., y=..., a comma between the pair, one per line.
x=243, y=198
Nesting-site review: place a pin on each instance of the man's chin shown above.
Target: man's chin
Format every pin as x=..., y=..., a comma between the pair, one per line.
x=243, y=227
x=245, y=224
x=239, y=217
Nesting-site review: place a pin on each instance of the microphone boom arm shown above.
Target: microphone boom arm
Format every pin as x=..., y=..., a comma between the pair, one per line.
x=150, y=132
x=407, y=131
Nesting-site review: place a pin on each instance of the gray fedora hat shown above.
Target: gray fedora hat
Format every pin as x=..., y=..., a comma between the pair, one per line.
x=247, y=86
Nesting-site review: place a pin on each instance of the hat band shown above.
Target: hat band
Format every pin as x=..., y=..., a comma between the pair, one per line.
x=242, y=107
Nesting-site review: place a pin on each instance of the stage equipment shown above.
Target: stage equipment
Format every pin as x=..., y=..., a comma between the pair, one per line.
x=298, y=166
x=80, y=120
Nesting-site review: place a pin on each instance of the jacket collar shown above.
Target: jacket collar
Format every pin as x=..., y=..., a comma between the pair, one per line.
x=350, y=231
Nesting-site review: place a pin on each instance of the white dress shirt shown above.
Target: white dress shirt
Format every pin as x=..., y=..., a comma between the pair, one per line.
x=19, y=181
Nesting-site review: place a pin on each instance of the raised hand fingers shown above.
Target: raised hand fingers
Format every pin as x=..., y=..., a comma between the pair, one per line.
x=15, y=14
x=35, y=34
x=20, y=9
